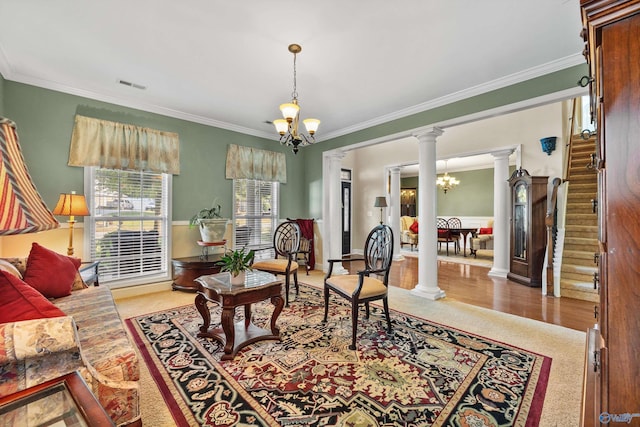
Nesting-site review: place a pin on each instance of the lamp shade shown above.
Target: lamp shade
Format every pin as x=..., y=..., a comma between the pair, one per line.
x=22, y=210
x=71, y=204
x=289, y=111
x=381, y=202
x=311, y=125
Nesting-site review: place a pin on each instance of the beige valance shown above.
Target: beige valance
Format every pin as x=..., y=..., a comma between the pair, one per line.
x=115, y=145
x=253, y=163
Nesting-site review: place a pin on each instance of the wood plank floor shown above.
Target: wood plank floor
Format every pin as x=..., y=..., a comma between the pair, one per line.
x=472, y=285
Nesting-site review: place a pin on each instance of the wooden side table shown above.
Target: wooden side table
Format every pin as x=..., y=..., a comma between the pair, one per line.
x=258, y=286
x=62, y=401
x=186, y=270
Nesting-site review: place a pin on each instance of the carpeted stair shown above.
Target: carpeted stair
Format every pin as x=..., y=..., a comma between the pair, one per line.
x=581, y=227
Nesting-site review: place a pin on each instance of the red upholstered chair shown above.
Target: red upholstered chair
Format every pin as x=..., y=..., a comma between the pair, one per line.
x=286, y=244
x=367, y=285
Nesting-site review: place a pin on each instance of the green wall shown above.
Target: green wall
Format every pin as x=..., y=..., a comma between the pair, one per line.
x=45, y=121
x=533, y=88
x=472, y=197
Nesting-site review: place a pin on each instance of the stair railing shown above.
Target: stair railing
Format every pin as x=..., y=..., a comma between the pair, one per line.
x=551, y=221
x=569, y=146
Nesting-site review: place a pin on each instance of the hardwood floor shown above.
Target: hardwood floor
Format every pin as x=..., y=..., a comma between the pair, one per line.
x=472, y=285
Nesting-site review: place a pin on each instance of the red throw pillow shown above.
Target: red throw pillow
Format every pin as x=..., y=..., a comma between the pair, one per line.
x=486, y=230
x=19, y=301
x=414, y=227
x=49, y=272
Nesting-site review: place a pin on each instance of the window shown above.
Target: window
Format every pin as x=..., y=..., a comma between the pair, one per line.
x=255, y=213
x=129, y=225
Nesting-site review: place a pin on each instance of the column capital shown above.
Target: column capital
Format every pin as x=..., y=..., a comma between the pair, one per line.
x=428, y=134
x=502, y=153
x=395, y=169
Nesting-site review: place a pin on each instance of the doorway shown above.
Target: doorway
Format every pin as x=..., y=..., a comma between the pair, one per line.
x=345, y=178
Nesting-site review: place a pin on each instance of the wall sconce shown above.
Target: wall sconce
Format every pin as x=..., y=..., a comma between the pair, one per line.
x=548, y=144
x=71, y=205
x=381, y=202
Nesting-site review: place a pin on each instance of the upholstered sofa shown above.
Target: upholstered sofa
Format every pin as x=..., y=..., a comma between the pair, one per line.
x=407, y=235
x=81, y=331
x=483, y=239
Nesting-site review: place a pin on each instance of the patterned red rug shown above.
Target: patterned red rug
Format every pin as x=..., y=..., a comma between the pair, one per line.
x=422, y=374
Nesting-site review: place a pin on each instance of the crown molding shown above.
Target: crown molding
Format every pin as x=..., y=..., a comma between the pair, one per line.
x=500, y=83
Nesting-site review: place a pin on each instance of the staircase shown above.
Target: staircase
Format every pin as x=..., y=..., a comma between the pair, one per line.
x=581, y=224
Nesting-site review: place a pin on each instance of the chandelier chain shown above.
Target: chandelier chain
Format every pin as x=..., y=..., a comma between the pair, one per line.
x=294, y=94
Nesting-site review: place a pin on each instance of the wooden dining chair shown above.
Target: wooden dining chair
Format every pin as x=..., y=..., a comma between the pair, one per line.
x=367, y=285
x=286, y=243
x=455, y=224
x=444, y=235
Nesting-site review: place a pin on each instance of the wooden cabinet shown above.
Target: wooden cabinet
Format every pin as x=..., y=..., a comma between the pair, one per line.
x=528, y=230
x=408, y=202
x=186, y=270
x=612, y=35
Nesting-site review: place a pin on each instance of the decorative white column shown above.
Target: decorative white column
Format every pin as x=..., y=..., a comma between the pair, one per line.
x=335, y=213
x=501, y=201
x=394, y=206
x=427, y=286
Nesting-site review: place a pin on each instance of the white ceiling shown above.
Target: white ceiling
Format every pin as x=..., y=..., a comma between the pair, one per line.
x=226, y=64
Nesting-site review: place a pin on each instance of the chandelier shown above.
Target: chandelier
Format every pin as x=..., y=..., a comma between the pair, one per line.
x=288, y=126
x=446, y=182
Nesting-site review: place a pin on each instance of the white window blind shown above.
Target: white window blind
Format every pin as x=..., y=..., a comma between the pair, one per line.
x=255, y=213
x=129, y=225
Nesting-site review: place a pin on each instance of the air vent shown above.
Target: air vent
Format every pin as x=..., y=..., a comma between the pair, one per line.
x=134, y=85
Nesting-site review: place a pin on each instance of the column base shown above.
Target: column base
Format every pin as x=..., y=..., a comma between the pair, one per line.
x=339, y=269
x=398, y=257
x=432, y=293
x=498, y=272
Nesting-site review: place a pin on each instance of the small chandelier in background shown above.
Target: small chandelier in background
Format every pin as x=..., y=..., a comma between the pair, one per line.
x=446, y=182
x=288, y=127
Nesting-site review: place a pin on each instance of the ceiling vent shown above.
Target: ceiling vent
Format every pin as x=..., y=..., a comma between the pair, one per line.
x=134, y=85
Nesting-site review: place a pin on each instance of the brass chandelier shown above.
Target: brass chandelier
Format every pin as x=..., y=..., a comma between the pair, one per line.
x=288, y=126
x=446, y=182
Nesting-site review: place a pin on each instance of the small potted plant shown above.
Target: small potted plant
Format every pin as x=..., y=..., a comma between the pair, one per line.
x=211, y=225
x=237, y=262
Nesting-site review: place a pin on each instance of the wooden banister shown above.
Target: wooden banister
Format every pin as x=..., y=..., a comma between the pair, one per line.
x=551, y=222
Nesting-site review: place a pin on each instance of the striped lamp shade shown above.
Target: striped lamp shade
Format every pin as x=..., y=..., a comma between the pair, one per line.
x=22, y=210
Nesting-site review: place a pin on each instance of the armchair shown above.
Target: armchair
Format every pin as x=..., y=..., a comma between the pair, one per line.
x=408, y=231
x=286, y=244
x=367, y=285
x=483, y=239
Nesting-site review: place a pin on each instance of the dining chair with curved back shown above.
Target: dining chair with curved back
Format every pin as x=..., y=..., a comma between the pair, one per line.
x=444, y=234
x=455, y=224
x=286, y=243
x=367, y=285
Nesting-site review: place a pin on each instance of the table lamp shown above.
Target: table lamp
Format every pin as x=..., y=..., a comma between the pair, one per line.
x=71, y=205
x=381, y=202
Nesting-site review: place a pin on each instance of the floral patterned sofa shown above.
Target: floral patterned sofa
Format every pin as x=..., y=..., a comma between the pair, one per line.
x=87, y=335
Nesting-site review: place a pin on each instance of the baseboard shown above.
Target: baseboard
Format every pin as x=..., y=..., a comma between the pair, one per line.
x=134, y=291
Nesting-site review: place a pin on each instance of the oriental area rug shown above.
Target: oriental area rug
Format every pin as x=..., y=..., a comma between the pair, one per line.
x=423, y=374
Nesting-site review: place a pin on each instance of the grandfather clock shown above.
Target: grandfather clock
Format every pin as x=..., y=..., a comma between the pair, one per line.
x=528, y=231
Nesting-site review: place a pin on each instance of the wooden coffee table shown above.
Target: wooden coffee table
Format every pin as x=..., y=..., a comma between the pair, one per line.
x=258, y=286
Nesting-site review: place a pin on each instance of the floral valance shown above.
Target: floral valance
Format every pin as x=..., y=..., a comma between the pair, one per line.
x=253, y=163
x=115, y=145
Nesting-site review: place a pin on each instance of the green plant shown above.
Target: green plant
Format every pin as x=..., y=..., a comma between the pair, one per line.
x=236, y=261
x=206, y=213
